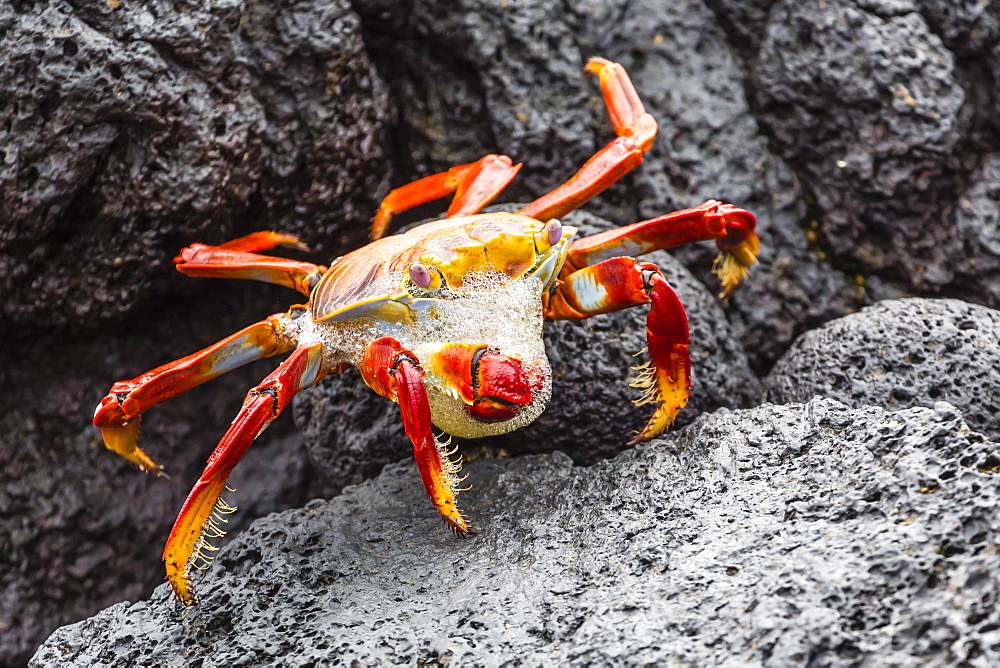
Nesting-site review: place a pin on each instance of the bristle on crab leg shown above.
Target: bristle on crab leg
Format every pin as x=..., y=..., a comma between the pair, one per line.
x=394, y=372
x=666, y=379
x=201, y=514
x=732, y=228
x=622, y=282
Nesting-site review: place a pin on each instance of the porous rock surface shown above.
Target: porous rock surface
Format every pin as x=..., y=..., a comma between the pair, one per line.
x=81, y=528
x=782, y=535
x=352, y=433
x=132, y=129
x=885, y=125
x=129, y=130
x=469, y=79
x=897, y=354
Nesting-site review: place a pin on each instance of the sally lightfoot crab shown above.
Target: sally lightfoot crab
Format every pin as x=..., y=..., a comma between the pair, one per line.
x=446, y=319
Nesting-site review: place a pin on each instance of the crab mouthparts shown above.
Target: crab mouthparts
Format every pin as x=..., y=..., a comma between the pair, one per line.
x=501, y=387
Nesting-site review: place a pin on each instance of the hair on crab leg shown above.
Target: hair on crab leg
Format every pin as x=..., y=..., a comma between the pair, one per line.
x=394, y=372
x=201, y=515
x=622, y=282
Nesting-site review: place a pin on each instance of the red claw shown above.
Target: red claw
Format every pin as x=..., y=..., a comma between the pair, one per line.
x=501, y=388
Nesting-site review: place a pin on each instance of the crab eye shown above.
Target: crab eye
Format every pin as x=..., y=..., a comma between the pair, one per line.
x=420, y=275
x=554, y=231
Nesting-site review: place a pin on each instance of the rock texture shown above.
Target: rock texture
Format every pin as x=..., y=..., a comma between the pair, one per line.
x=884, y=125
x=80, y=528
x=897, y=354
x=511, y=79
x=352, y=433
x=128, y=130
x=782, y=535
x=131, y=130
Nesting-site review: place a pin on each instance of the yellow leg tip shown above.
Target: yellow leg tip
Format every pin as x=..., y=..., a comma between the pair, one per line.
x=123, y=441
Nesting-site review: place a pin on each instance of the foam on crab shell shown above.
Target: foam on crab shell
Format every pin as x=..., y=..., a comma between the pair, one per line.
x=489, y=308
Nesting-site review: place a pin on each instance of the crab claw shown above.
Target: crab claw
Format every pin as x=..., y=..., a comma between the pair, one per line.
x=501, y=387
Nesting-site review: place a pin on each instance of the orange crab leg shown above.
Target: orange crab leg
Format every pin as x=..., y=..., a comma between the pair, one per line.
x=636, y=130
x=620, y=283
x=732, y=228
x=118, y=415
x=202, y=511
x=259, y=241
x=233, y=260
x=474, y=184
x=395, y=372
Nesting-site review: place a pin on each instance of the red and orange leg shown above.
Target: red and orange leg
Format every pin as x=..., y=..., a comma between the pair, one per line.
x=622, y=282
x=395, y=372
x=636, y=130
x=203, y=510
x=238, y=259
x=119, y=413
x=474, y=185
x=732, y=228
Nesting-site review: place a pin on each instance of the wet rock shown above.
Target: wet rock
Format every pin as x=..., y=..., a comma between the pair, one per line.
x=897, y=354
x=352, y=433
x=132, y=129
x=786, y=535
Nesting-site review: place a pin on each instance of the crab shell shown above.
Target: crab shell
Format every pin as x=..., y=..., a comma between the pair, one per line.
x=487, y=275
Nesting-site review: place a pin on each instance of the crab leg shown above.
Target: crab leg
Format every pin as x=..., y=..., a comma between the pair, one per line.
x=732, y=228
x=118, y=414
x=395, y=372
x=474, y=184
x=202, y=510
x=635, y=129
x=622, y=282
x=236, y=259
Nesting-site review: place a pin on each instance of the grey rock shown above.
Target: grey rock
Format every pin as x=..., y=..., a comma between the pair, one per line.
x=898, y=354
x=977, y=225
x=967, y=27
x=132, y=129
x=782, y=535
x=352, y=433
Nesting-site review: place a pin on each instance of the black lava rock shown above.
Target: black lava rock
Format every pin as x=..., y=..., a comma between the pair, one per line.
x=132, y=129
x=127, y=131
x=352, y=433
x=783, y=535
x=471, y=79
x=897, y=354
x=863, y=100
x=81, y=528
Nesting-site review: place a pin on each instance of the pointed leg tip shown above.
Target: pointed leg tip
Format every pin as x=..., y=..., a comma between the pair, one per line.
x=460, y=527
x=596, y=63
